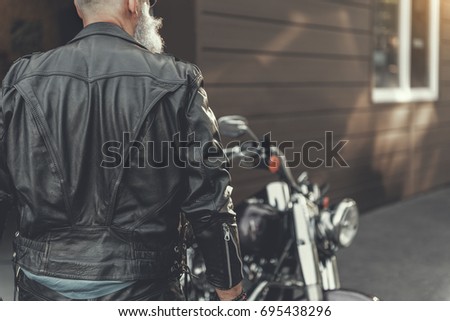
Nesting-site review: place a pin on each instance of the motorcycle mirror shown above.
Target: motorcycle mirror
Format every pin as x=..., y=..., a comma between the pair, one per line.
x=233, y=126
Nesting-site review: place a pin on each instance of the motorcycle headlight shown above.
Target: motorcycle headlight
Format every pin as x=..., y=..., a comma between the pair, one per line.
x=345, y=221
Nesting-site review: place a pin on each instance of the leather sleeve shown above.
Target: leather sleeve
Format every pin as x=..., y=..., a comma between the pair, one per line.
x=208, y=205
x=5, y=193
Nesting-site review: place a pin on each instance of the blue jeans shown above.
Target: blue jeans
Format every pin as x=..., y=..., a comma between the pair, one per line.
x=142, y=290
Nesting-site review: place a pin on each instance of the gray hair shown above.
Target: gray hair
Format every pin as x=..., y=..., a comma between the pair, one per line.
x=95, y=5
x=99, y=3
x=88, y=3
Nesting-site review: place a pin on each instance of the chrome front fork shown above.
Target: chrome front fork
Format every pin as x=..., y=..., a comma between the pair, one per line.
x=330, y=274
x=318, y=276
x=307, y=250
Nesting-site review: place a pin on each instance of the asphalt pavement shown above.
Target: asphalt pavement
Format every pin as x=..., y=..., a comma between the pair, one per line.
x=402, y=252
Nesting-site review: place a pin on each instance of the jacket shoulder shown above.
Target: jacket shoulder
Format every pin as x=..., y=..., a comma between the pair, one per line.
x=17, y=69
x=20, y=68
x=188, y=71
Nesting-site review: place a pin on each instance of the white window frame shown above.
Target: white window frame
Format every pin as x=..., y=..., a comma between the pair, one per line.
x=404, y=93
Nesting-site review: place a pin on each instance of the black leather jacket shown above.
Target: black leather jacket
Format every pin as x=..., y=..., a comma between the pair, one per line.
x=100, y=151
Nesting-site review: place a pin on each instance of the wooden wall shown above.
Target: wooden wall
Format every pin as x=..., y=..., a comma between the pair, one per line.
x=299, y=68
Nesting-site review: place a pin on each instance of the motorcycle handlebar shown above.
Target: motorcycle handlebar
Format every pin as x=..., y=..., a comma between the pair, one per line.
x=283, y=169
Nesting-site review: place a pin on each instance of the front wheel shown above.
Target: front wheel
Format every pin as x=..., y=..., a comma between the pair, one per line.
x=348, y=295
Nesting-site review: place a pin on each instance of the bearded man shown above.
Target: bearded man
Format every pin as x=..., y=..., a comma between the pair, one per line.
x=98, y=220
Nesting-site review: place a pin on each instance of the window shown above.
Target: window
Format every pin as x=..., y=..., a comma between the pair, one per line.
x=406, y=50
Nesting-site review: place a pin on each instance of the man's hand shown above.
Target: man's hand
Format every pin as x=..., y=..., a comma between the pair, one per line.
x=231, y=294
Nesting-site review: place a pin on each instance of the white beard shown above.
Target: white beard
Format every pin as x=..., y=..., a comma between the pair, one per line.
x=147, y=31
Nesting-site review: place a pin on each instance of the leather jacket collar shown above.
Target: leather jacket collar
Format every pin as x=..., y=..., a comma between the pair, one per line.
x=106, y=29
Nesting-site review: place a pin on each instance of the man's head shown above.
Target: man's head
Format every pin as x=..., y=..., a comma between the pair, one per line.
x=132, y=15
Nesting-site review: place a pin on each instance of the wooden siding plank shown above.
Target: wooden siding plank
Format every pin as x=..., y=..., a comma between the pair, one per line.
x=431, y=168
x=350, y=124
x=367, y=3
x=444, y=93
x=426, y=181
x=445, y=29
x=445, y=51
x=428, y=115
x=226, y=33
x=433, y=160
x=383, y=167
x=273, y=101
x=445, y=8
x=311, y=12
x=433, y=137
x=364, y=173
x=341, y=123
x=369, y=149
x=220, y=68
x=445, y=72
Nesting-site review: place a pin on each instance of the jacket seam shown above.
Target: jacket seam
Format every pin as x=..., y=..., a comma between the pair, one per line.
x=143, y=219
x=196, y=81
x=119, y=176
x=3, y=135
x=203, y=171
x=94, y=79
x=104, y=33
x=50, y=150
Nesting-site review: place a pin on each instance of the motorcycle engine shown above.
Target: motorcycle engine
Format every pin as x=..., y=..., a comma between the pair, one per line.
x=260, y=230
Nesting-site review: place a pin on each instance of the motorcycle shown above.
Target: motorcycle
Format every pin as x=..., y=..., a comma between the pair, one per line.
x=289, y=233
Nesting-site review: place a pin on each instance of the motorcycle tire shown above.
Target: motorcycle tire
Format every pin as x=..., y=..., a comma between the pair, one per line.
x=348, y=295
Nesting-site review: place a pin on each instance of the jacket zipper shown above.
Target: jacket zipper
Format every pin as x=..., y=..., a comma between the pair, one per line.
x=227, y=238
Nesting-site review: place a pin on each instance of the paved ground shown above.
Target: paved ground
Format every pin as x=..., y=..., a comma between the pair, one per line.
x=401, y=253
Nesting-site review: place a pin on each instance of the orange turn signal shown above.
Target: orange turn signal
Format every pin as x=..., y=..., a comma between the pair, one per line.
x=326, y=202
x=274, y=164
